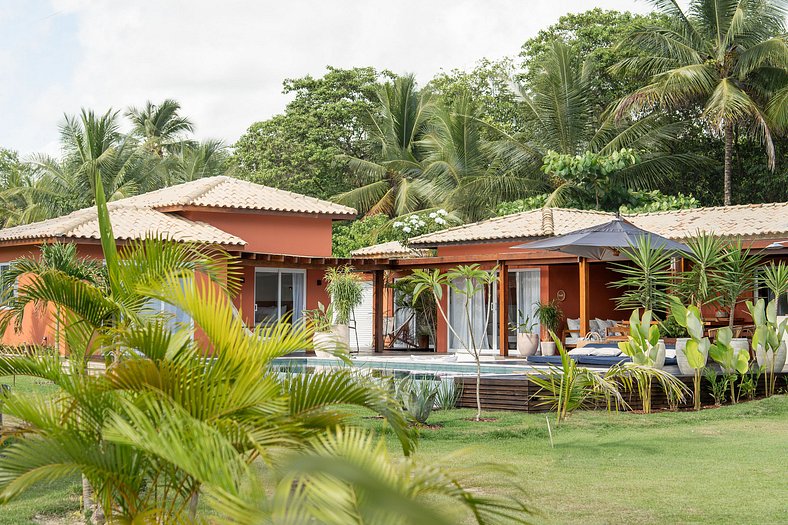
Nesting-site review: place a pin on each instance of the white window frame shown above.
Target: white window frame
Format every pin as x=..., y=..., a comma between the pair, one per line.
x=279, y=272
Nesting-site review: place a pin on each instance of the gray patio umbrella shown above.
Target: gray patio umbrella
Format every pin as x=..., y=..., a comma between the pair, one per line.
x=600, y=242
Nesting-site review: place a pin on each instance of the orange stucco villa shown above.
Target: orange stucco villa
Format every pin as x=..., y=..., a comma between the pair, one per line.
x=283, y=243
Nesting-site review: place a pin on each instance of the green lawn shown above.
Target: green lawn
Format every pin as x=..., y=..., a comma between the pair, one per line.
x=48, y=500
x=726, y=465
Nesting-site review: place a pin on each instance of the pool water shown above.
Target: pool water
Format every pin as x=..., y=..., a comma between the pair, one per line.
x=406, y=365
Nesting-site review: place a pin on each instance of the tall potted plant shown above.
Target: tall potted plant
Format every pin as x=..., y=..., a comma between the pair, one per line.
x=324, y=338
x=737, y=277
x=343, y=285
x=550, y=316
x=527, y=339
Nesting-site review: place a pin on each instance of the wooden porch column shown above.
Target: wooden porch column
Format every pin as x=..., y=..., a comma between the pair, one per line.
x=503, y=309
x=377, y=309
x=584, y=296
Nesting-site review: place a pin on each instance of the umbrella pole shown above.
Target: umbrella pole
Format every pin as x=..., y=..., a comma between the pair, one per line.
x=584, y=296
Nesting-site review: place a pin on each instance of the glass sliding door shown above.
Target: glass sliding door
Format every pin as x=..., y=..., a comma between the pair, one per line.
x=528, y=294
x=473, y=324
x=279, y=293
x=524, y=293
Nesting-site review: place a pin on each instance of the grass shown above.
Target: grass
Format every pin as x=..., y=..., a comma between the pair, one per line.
x=55, y=499
x=724, y=465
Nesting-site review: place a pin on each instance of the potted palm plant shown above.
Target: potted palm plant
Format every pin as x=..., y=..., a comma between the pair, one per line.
x=324, y=337
x=343, y=285
x=550, y=316
x=527, y=339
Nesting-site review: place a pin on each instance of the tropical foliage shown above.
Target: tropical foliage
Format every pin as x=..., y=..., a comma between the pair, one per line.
x=157, y=152
x=176, y=417
x=722, y=60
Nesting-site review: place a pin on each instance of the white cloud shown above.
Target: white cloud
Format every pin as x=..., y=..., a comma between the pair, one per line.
x=225, y=61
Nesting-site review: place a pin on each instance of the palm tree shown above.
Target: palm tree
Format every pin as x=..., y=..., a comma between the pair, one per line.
x=189, y=162
x=726, y=58
x=393, y=183
x=93, y=144
x=562, y=118
x=55, y=257
x=27, y=196
x=160, y=127
x=164, y=424
x=460, y=166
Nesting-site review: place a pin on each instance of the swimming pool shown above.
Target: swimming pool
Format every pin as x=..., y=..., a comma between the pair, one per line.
x=405, y=364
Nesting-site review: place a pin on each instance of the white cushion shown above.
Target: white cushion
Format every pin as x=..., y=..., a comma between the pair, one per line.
x=581, y=351
x=573, y=325
x=593, y=325
x=606, y=352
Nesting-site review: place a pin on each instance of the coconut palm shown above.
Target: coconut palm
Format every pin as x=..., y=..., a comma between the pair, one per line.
x=93, y=144
x=725, y=58
x=562, y=117
x=26, y=197
x=393, y=183
x=159, y=127
x=191, y=161
x=460, y=165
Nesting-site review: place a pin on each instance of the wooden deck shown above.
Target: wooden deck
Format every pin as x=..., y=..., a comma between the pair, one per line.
x=507, y=392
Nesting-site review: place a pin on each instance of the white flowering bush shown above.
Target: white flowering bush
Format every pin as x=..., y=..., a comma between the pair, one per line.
x=416, y=224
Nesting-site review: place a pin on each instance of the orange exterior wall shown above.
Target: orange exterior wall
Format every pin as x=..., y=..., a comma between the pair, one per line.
x=268, y=233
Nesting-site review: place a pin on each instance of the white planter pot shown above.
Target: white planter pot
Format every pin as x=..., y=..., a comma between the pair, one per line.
x=740, y=343
x=527, y=344
x=342, y=332
x=548, y=347
x=681, y=358
x=765, y=358
x=324, y=343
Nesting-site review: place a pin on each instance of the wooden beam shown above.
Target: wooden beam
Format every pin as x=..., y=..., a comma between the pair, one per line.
x=503, y=309
x=377, y=309
x=584, y=296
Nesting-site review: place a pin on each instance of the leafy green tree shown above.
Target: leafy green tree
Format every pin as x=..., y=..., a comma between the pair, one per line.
x=590, y=176
x=751, y=175
x=352, y=235
x=298, y=150
x=593, y=36
x=725, y=59
x=159, y=127
x=559, y=101
x=489, y=86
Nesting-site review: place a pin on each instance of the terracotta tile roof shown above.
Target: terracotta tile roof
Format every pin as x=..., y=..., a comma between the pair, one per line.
x=228, y=192
x=139, y=216
x=388, y=249
x=768, y=220
x=128, y=223
x=747, y=220
x=525, y=225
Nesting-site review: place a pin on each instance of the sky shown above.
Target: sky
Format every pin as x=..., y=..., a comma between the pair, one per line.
x=224, y=60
